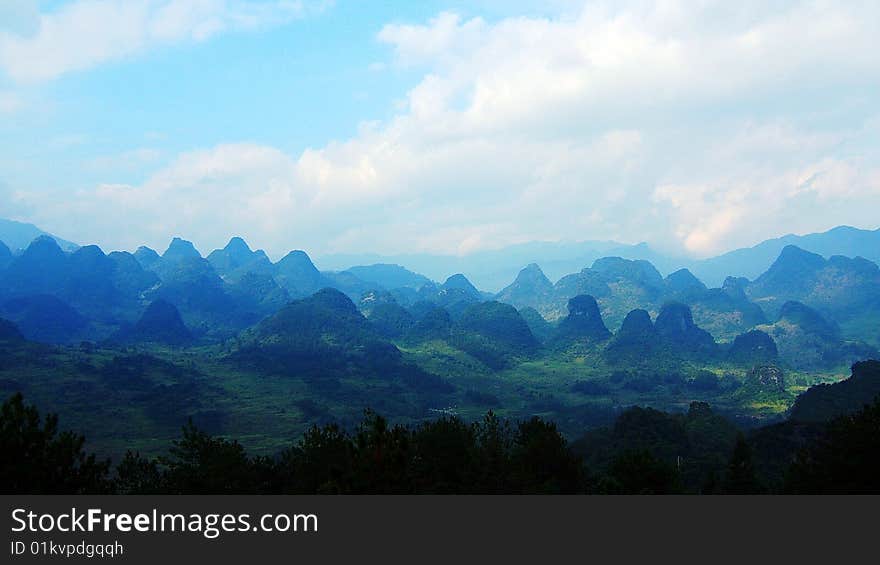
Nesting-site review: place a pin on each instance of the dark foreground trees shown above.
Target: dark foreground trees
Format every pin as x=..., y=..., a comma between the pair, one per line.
x=442, y=456
x=447, y=455
x=36, y=458
x=845, y=460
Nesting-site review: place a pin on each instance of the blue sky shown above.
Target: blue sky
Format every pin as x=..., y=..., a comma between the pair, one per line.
x=438, y=126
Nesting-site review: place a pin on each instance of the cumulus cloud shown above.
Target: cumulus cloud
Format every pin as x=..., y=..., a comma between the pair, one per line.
x=86, y=33
x=697, y=126
x=764, y=180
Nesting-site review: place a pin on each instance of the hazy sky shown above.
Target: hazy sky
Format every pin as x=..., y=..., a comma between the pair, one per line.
x=351, y=126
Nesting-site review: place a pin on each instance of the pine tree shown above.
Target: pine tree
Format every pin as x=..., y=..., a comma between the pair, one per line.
x=740, y=477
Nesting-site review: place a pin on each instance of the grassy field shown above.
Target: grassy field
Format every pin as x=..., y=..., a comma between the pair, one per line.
x=139, y=398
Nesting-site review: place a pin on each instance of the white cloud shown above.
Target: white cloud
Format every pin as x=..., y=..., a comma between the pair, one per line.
x=696, y=125
x=445, y=36
x=721, y=214
x=764, y=180
x=86, y=33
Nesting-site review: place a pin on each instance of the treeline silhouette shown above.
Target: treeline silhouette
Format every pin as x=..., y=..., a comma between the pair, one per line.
x=447, y=455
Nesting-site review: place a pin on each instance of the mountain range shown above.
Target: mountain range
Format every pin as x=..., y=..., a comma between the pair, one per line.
x=252, y=348
x=18, y=235
x=493, y=270
x=234, y=287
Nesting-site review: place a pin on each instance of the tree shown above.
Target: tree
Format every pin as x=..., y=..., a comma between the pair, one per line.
x=321, y=462
x=37, y=459
x=542, y=462
x=494, y=438
x=740, y=477
x=845, y=460
x=201, y=464
x=383, y=455
x=444, y=457
x=138, y=475
x=639, y=472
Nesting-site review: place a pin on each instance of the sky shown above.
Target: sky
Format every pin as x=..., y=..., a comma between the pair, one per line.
x=443, y=127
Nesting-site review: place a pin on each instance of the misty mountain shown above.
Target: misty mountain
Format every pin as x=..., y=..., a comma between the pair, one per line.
x=494, y=333
x=435, y=323
x=160, y=324
x=148, y=258
x=639, y=271
x=810, y=321
x=845, y=290
x=347, y=282
x=45, y=318
x=531, y=288
x=724, y=312
x=675, y=325
x=541, y=328
x=296, y=273
x=622, y=285
x=236, y=259
x=236, y=287
x=753, y=348
x=180, y=250
x=455, y=295
x=5, y=256
x=673, y=336
x=257, y=295
x=324, y=338
x=583, y=325
x=752, y=261
x=41, y=268
x=500, y=323
x=636, y=340
x=391, y=320
x=494, y=269
x=807, y=340
x=389, y=276
x=190, y=283
x=103, y=287
x=306, y=333
x=683, y=286
x=18, y=235
x=459, y=282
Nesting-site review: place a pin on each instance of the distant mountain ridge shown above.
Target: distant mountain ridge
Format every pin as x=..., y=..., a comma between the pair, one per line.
x=18, y=235
x=493, y=270
x=237, y=259
x=752, y=261
x=234, y=287
x=843, y=289
x=389, y=276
